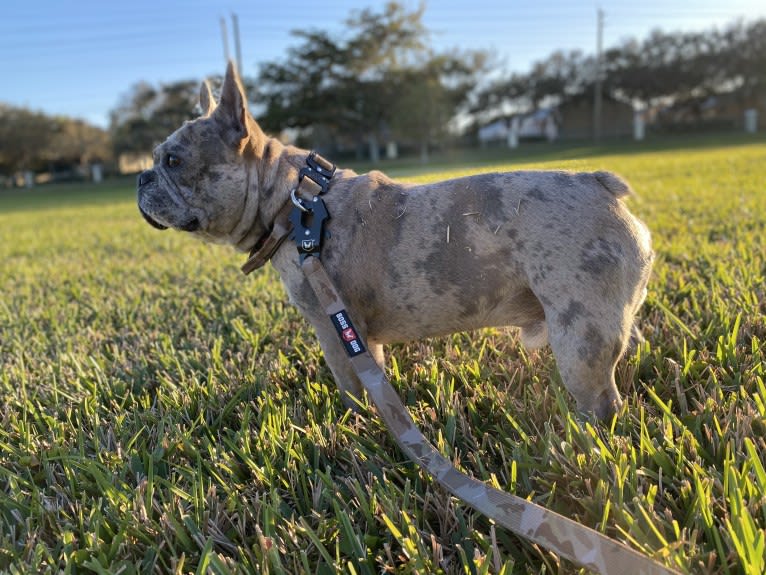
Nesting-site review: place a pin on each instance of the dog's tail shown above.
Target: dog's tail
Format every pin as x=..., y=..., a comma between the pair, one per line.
x=613, y=183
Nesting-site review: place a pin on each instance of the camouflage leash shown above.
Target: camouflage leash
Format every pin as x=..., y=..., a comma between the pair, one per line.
x=563, y=536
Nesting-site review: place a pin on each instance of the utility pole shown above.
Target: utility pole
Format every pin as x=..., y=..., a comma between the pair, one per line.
x=225, y=37
x=237, y=47
x=597, y=95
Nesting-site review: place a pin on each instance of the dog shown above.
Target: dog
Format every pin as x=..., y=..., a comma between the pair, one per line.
x=554, y=253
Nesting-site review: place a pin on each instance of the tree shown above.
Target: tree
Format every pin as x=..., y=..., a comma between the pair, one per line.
x=560, y=75
x=664, y=66
x=354, y=87
x=687, y=66
x=746, y=58
x=74, y=141
x=661, y=68
x=308, y=89
x=429, y=93
x=147, y=114
x=548, y=82
x=33, y=141
x=24, y=138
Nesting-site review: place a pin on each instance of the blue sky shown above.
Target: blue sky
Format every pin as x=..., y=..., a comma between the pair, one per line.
x=78, y=57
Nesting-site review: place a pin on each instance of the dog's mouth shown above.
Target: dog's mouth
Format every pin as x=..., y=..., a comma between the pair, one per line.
x=152, y=222
x=191, y=225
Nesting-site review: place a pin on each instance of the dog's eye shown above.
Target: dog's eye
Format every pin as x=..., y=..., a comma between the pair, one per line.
x=172, y=161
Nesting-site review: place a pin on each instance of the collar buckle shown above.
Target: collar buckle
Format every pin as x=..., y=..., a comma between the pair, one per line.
x=318, y=170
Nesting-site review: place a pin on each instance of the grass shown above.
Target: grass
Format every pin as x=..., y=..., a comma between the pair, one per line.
x=162, y=413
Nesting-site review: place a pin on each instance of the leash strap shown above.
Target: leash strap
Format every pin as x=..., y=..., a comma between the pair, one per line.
x=567, y=538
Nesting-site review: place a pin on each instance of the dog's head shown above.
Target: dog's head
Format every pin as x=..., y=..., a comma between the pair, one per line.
x=199, y=182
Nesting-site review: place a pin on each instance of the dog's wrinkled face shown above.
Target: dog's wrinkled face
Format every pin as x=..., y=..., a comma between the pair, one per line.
x=199, y=179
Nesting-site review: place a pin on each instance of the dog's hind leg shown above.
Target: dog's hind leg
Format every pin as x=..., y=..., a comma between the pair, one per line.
x=587, y=349
x=591, y=289
x=590, y=323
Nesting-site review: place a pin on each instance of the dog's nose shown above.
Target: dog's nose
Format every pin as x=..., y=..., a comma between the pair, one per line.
x=145, y=177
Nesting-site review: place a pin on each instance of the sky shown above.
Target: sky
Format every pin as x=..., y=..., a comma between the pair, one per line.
x=78, y=57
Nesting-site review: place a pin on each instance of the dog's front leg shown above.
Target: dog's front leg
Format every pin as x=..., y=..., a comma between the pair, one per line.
x=303, y=297
x=351, y=390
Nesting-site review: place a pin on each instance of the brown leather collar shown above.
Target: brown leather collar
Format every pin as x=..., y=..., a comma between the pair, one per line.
x=268, y=244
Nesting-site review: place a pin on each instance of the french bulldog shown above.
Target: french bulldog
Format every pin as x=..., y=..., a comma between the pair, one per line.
x=554, y=253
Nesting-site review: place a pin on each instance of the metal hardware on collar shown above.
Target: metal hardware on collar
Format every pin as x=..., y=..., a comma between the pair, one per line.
x=318, y=170
x=308, y=227
x=297, y=202
x=308, y=217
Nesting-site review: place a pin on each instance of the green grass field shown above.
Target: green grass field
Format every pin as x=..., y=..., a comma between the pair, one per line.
x=161, y=413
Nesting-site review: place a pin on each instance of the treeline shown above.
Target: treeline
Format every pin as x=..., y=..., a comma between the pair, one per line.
x=382, y=82
x=662, y=68
x=36, y=142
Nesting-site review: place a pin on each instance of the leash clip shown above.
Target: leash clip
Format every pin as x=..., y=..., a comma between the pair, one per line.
x=308, y=226
x=297, y=202
x=308, y=217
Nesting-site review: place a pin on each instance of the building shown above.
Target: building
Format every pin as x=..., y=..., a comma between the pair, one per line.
x=134, y=162
x=570, y=120
x=576, y=118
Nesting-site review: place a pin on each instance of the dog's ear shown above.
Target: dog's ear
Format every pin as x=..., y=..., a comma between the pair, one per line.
x=232, y=113
x=206, y=100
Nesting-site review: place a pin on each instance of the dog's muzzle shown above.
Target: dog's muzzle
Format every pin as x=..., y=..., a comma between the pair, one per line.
x=147, y=177
x=144, y=178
